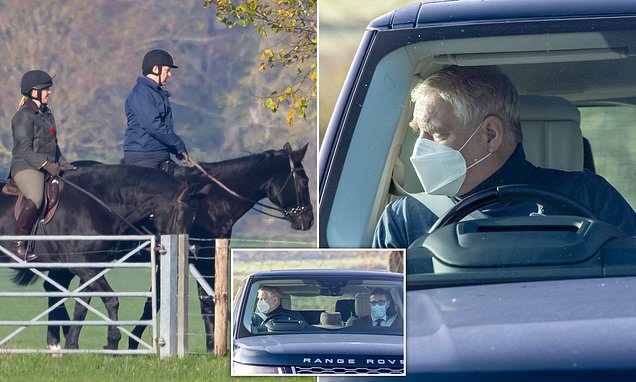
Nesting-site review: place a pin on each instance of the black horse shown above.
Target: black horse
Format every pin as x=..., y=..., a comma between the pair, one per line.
x=134, y=195
x=242, y=182
x=275, y=174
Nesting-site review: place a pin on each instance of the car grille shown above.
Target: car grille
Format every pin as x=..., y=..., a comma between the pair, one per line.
x=345, y=370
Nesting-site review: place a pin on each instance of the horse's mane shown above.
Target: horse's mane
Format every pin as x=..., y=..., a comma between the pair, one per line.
x=242, y=165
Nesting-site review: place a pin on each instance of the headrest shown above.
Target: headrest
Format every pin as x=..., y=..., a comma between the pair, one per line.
x=345, y=307
x=285, y=301
x=551, y=132
x=331, y=320
x=362, y=304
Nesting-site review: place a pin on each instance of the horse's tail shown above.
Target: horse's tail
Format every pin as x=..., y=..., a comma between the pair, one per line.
x=23, y=277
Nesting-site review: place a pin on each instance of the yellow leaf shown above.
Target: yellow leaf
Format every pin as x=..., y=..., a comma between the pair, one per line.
x=288, y=90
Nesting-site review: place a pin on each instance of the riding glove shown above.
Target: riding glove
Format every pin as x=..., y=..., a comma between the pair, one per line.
x=183, y=155
x=67, y=167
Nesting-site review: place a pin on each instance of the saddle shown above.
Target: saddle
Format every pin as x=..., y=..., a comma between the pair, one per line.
x=52, y=190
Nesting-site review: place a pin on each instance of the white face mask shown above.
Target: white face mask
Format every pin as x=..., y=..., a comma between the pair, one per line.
x=262, y=306
x=441, y=169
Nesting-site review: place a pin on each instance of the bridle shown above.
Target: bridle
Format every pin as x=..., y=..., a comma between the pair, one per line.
x=287, y=213
x=299, y=209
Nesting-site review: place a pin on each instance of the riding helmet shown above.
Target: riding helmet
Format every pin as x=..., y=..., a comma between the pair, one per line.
x=35, y=79
x=157, y=57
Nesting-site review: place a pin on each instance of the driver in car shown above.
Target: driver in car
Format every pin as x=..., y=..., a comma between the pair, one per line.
x=470, y=140
x=269, y=308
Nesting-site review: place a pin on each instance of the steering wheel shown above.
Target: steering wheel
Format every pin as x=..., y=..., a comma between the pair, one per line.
x=280, y=317
x=515, y=192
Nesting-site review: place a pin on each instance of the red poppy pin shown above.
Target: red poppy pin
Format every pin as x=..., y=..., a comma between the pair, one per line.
x=52, y=130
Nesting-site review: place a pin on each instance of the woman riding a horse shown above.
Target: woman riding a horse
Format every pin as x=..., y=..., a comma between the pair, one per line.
x=35, y=151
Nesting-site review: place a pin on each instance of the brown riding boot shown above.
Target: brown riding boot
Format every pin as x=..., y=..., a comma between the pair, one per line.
x=27, y=217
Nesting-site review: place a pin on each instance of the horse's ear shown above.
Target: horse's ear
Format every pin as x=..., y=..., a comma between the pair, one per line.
x=300, y=154
x=287, y=147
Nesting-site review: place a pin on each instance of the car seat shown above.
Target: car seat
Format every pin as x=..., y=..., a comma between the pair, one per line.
x=362, y=308
x=285, y=301
x=345, y=307
x=551, y=132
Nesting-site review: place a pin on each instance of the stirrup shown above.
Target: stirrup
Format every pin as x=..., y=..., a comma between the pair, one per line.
x=21, y=249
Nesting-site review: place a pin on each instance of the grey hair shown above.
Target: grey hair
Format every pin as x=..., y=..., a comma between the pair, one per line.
x=473, y=93
x=271, y=291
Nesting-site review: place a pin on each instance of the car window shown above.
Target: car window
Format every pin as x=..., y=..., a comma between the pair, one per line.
x=611, y=131
x=375, y=168
x=323, y=305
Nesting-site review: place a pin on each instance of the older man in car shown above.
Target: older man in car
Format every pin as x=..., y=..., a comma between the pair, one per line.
x=269, y=308
x=470, y=140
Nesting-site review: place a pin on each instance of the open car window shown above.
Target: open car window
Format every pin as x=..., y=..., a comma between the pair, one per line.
x=589, y=70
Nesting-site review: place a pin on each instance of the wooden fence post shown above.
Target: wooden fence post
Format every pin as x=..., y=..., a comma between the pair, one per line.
x=220, y=292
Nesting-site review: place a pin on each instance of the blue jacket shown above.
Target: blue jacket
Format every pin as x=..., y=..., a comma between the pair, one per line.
x=150, y=128
x=406, y=219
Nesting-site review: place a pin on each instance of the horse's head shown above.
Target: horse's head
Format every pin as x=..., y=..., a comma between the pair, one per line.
x=289, y=190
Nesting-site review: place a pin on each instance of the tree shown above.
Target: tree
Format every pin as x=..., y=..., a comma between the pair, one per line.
x=294, y=23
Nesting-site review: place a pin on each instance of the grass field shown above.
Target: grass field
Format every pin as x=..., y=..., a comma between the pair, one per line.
x=94, y=337
x=198, y=366
x=97, y=368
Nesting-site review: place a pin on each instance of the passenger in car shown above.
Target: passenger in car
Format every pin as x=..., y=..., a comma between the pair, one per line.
x=470, y=140
x=269, y=308
x=382, y=312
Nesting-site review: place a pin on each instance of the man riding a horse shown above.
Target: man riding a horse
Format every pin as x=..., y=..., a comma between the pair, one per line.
x=150, y=138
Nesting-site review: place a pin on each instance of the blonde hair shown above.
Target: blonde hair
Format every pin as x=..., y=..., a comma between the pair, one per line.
x=22, y=101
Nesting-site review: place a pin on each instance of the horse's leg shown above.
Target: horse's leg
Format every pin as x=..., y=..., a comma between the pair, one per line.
x=79, y=314
x=138, y=330
x=62, y=277
x=205, y=265
x=111, y=303
x=207, y=312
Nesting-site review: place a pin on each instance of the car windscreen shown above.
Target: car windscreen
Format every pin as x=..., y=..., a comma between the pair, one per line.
x=324, y=305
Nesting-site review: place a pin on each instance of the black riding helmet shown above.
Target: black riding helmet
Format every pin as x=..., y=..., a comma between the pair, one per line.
x=35, y=79
x=157, y=57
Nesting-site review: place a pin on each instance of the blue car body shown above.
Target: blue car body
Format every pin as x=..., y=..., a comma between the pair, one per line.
x=558, y=319
x=312, y=349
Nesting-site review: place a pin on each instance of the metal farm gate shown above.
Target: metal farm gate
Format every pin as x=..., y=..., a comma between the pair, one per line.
x=173, y=252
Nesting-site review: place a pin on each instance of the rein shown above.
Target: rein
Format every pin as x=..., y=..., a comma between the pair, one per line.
x=285, y=212
x=101, y=203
